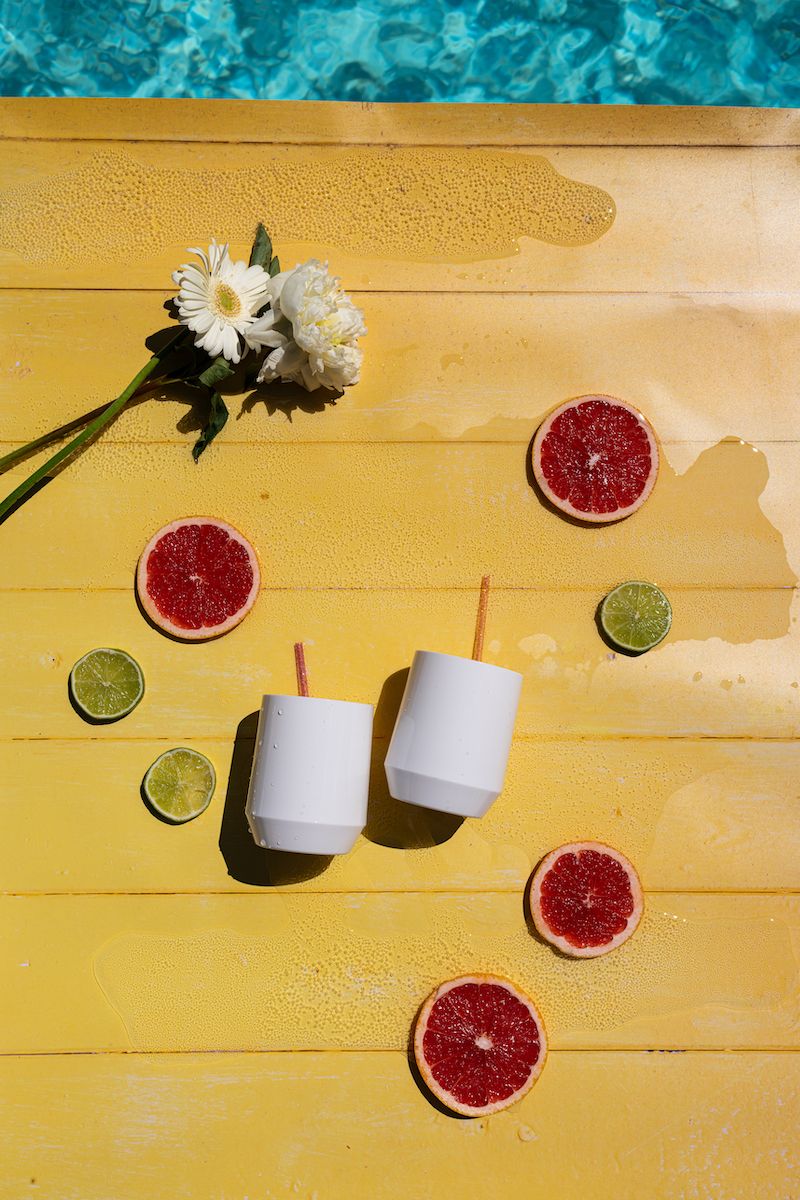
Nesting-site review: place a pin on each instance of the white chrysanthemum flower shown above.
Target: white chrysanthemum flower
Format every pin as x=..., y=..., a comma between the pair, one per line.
x=312, y=330
x=219, y=299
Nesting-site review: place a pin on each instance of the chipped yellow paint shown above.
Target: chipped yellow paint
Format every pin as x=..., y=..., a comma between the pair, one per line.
x=734, y=802
x=339, y=517
x=490, y=378
x=320, y=123
x=359, y=640
x=374, y=520
x=319, y=1126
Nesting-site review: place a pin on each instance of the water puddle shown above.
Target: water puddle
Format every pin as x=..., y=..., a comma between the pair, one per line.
x=426, y=205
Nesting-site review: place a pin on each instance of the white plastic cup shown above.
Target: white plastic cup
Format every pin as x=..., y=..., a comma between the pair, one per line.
x=310, y=778
x=450, y=746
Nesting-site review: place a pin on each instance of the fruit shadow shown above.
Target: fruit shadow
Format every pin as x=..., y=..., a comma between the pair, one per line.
x=390, y=822
x=87, y=718
x=179, y=641
x=613, y=645
x=548, y=504
x=247, y=862
x=154, y=811
x=416, y=1075
x=532, y=930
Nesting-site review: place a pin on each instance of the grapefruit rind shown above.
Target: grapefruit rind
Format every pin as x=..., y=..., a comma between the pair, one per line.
x=564, y=505
x=204, y=633
x=447, y=1098
x=561, y=943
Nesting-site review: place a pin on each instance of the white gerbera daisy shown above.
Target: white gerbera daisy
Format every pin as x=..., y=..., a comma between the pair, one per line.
x=219, y=300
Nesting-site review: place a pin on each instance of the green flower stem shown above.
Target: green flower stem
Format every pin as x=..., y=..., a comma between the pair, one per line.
x=53, y=436
x=103, y=417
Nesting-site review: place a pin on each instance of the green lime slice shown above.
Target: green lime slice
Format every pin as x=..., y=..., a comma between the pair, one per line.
x=179, y=785
x=106, y=684
x=636, y=616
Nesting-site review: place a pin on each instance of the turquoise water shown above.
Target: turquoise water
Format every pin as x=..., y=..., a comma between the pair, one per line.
x=600, y=51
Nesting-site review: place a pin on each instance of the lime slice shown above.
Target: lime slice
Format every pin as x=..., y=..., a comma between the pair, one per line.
x=636, y=616
x=106, y=684
x=179, y=785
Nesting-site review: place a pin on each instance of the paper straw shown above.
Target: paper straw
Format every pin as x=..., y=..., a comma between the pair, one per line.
x=480, y=622
x=302, y=673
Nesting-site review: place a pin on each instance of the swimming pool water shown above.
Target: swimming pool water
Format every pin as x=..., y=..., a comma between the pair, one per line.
x=608, y=51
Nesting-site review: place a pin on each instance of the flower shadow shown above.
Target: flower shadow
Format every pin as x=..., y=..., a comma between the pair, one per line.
x=288, y=398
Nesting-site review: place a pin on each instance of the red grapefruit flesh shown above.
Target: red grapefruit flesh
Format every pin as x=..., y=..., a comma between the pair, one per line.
x=479, y=1044
x=197, y=578
x=586, y=899
x=596, y=458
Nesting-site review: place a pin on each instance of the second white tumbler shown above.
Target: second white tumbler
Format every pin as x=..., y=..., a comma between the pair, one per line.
x=452, y=739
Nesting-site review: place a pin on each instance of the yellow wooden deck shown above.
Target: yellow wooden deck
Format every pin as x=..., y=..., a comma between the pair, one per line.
x=184, y=1018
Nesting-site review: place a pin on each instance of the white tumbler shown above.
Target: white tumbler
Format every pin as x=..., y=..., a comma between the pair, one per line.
x=310, y=779
x=450, y=746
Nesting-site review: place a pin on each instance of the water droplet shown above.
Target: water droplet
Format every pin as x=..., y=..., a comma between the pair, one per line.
x=526, y=1134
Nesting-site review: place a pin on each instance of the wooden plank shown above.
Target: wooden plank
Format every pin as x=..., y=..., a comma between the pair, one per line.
x=737, y=804
x=728, y=669
x=398, y=218
x=289, y=972
x=488, y=377
x=710, y=1125
x=211, y=121
x=400, y=515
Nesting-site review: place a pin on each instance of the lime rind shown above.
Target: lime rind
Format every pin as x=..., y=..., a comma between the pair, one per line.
x=636, y=616
x=180, y=784
x=106, y=684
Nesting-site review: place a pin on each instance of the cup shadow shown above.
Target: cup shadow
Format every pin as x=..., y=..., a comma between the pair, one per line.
x=390, y=822
x=247, y=862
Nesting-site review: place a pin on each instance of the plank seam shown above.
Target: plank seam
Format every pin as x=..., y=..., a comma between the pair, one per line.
x=755, y=739
x=412, y=589
x=394, y=143
x=260, y=443
x=671, y=293
x=250, y=1052
x=262, y=892
x=258, y=894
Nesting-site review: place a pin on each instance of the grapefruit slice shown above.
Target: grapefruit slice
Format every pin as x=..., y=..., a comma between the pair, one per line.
x=197, y=578
x=479, y=1044
x=595, y=458
x=585, y=899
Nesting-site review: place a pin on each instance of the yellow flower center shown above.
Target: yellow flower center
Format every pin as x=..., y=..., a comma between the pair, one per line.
x=226, y=302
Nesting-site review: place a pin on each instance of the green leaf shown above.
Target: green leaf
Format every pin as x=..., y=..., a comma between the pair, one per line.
x=261, y=253
x=216, y=422
x=275, y=266
x=219, y=370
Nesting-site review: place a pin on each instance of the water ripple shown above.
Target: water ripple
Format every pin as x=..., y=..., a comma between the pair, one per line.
x=590, y=51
